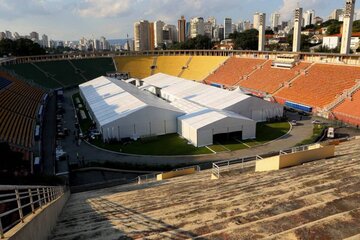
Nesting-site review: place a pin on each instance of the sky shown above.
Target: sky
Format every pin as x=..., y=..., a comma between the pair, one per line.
x=73, y=19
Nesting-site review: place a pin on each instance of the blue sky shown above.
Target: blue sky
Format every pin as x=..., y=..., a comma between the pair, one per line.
x=73, y=19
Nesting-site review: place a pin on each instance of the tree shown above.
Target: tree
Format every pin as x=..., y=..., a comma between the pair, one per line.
x=356, y=26
x=199, y=42
x=247, y=40
x=20, y=47
x=333, y=29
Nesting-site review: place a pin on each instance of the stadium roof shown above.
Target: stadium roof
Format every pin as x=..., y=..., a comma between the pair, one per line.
x=199, y=93
x=111, y=99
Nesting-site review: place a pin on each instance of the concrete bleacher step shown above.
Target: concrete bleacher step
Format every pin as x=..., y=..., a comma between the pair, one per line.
x=288, y=202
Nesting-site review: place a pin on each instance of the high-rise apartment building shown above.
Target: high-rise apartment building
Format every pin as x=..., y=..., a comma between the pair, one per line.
x=335, y=15
x=142, y=35
x=262, y=26
x=34, y=36
x=208, y=30
x=256, y=21
x=309, y=17
x=158, y=33
x=182, y=29
x=275, y=21
x=227, y=27
x=44, y=41
x=197, y=27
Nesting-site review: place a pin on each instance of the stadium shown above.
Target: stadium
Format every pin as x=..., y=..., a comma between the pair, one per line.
x=182, y=144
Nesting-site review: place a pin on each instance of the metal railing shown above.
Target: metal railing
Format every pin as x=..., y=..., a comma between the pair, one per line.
x=223, y=166
x=217, y=167
x=17, y=202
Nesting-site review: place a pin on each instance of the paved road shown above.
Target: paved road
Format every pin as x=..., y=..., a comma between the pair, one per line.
x=48, y=137
x=91, y=154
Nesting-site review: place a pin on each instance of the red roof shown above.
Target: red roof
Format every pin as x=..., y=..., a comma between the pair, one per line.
x=355, y=34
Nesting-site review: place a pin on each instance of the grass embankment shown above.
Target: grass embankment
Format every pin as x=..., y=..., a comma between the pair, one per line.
x=317, y=131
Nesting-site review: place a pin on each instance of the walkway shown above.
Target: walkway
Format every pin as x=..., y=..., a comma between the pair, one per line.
x=91, y=154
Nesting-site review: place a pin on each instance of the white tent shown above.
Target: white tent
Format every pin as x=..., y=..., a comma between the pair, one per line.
x=172, y=88
x=121, y=110
x=201, y=127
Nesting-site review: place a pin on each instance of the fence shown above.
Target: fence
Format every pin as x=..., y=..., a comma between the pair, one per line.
x=18, y=202
x=217, y=167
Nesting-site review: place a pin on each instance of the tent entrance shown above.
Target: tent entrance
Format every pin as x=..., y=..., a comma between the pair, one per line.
x=221, y=137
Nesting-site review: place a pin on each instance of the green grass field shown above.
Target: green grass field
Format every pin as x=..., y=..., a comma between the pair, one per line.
x=173, y=144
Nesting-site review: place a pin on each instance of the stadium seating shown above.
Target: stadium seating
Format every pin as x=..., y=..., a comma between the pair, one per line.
x=320, y=198
x=18, y=110
x=138, y=67
x=94, y=67
x=202, y=66
x=233, y=71
x=30, y=72
x=349, y=110
x=171, y=65
x=62, y=71
x=4, y=83
x=269, y=79
x=321, y=85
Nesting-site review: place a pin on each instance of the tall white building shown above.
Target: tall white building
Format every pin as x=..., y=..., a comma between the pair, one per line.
x=212, y=20
x=240, y=26
x=34, y=36
x=173, y=33
x=347, y=26
x=227, y=27
x=247, y=25
x=274, y=20
x=104, y=44
x=142, y=35
x=309, y=17
x=197, y=27
x=96, y=44
x=44, y=41
x=158, y=33
x=2, y=35
x=256, y=21
x=208, y=29
x=8, y=34
x=335, y=15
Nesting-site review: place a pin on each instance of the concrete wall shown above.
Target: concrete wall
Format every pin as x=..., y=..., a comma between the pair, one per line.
x=316, y=152
x=173, y=174
x=38, y=226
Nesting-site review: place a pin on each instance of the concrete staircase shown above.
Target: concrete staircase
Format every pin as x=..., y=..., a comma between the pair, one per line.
x=320, y=198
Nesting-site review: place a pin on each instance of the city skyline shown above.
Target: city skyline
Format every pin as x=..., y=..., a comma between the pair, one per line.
x=72, y=20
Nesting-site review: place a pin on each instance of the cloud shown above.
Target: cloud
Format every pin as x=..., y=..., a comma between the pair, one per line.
x=104, y=8
x=288, y=6
x=14, y=8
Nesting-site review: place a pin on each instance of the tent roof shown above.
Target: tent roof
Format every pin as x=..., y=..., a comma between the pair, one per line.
x=111, y=99
x=202, y=94
x=203, y=118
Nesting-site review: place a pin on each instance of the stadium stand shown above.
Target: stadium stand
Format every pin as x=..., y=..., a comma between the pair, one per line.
x=18, y=110
x=171, y=65
x=138, y=67
x=320, y=86
x=349, y=110
x=233, y=71
x=62, y=71
x=94, y=67
x=315, y=199
x=202, y=66
x=4, y=83
x=30, y=72
x=268, y=79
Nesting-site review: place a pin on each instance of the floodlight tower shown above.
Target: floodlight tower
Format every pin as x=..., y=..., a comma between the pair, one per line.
x=297, y=29
x=262, y=26
x=347, y=26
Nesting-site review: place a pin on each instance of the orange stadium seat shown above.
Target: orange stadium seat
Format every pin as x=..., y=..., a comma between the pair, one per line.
x=321, y=85
x=269, y=79
x=349, y=110
x=233, y=70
